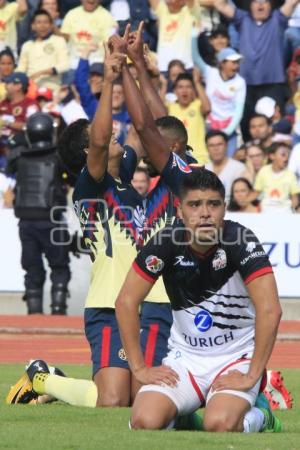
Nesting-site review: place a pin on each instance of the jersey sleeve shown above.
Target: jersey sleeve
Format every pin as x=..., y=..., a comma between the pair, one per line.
x=249, y=256
x=87, y=188
x=128, y=164
x=174, y=172
x=152, y=261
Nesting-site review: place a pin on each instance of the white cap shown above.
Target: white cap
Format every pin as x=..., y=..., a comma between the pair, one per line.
x=266, y=106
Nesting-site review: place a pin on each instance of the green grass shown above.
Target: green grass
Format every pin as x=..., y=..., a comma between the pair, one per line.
x=59, y=426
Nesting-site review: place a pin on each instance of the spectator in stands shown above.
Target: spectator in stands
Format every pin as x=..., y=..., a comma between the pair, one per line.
x=261, y=43
x=270, y=108
x=7, y=66
x=88, y=82
x=222, y=165
x=260, y=128
x=175, y=68
x=120, y=116
x=240, y=154
x=15, y=109
x=241, y=197
x=255, y=158
x=294, y=162
x=141, y=181
x=275, y=184
x=45, y=58
x=52, y=7
x=86, y=25
x=226, y=91
x=10, y=13
x=210, y=44
x=175, y=19
x=191, y=110
x=292, y=35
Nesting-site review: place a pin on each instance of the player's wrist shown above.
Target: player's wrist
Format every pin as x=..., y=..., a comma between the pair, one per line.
x=137, y=368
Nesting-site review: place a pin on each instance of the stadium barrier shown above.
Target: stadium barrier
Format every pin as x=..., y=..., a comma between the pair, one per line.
x=279, y=233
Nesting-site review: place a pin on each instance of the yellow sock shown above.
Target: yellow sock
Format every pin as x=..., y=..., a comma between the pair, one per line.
x=72, y=391
x=38, y=382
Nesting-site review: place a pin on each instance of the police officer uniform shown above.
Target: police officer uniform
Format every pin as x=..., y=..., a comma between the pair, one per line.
x=40, y=198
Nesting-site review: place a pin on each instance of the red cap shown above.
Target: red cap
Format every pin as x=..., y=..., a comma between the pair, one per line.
x=45, y=93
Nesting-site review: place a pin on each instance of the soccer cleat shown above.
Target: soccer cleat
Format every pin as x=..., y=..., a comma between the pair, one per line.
x=36, y=366
x=271, y=423
x=22, y=391
x=276, y=392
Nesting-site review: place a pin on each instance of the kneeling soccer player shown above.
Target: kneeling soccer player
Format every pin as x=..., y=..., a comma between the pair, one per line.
x=225, y=317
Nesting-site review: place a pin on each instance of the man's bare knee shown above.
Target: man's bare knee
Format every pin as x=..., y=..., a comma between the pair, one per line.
x=112, y=400
x=145, y=421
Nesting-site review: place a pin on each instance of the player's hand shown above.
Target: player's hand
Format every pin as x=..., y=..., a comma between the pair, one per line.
x=135, y=47
x=118, y=44
x=113, y=63
x=235, y=380
x=161, y=375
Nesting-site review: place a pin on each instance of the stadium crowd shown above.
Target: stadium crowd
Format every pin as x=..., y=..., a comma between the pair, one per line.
x=221, y=73
x=237, y=96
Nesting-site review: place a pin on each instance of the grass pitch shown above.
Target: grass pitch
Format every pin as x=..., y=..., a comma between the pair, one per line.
x=58, y=426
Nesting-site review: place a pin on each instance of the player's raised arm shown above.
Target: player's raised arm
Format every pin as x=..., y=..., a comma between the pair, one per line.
x=101, y=129
x=141, y=116
x=136, y=52
x=134, y=290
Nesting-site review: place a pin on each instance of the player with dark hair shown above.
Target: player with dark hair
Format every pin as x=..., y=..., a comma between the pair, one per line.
x=226, y=314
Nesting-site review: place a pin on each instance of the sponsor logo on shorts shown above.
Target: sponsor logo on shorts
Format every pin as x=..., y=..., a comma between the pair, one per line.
x=203, y=321
x=122, y=354
x=154, y=264
x=208, y=342
x=183, y=262
x=252, y=256
x=220, y=260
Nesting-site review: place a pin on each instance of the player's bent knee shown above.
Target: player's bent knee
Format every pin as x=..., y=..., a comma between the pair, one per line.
x=111, y=400
x=145, y=422
x=220, y=423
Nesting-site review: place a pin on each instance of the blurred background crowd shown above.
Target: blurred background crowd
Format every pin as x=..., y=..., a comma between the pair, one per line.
x=229, y=70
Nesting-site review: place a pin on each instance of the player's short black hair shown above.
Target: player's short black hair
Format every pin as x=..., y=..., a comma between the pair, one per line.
x=72, y=144
x=258, y=115
x=176, y=126
x=41, y=12
x=203, y=179
x=213, y=133
x=184, y=76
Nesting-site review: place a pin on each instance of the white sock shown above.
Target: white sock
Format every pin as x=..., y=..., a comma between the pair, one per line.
x=253, y=420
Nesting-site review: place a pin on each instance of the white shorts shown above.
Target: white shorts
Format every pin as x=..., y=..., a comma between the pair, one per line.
x=193, y=390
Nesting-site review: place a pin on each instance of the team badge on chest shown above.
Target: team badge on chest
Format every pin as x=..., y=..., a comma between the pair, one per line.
x=220, y=260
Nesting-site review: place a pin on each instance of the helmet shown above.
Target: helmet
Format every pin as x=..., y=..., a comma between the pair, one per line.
x=40, y=131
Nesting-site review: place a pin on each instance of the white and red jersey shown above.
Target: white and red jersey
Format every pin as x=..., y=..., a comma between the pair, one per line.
x=212, y=311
